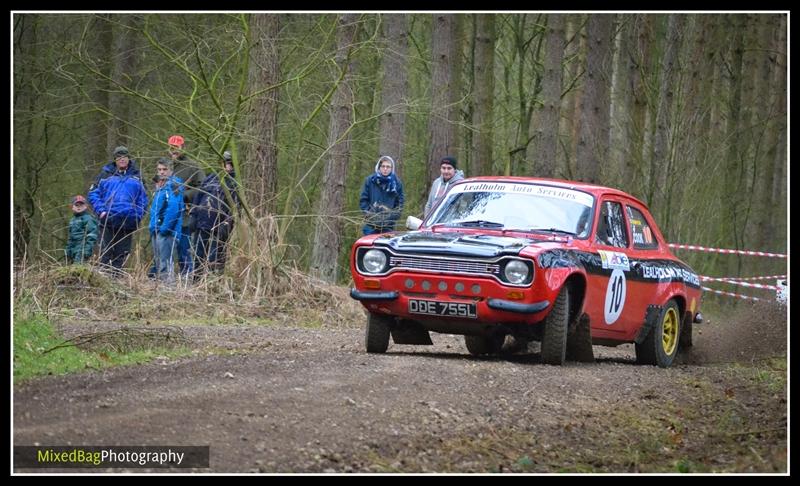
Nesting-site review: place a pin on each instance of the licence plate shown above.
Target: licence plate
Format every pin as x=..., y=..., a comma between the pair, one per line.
x=446, y=309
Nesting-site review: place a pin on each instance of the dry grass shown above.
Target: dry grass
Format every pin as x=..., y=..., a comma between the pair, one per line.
x=126, y=339
x=82, y=293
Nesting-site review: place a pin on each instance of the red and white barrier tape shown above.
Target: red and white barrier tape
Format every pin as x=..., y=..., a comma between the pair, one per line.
x=742, y=279
x=732, y=294
x=743, y=284
x=727, y=251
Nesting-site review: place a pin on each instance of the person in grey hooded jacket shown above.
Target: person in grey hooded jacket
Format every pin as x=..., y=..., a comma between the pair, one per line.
x=450, y=175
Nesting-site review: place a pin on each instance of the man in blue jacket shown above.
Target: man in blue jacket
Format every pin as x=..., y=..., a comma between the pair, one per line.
x=166, y=217
x=119, y=200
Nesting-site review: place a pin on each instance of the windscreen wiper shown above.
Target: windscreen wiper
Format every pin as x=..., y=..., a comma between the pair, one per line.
x=479, y=223
x=552, y=230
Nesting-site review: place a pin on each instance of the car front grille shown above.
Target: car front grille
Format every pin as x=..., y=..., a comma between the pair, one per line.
x=443, y=265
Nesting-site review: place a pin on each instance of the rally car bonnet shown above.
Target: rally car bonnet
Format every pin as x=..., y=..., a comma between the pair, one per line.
x=459, y=244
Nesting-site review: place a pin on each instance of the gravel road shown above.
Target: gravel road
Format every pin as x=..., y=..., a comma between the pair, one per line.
x=280, y=399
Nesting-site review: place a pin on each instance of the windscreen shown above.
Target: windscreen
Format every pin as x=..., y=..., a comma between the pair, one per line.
x=526, y=207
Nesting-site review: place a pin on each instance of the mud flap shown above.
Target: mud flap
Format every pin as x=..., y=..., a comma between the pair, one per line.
x=407, y=333
x=579, y=341
x=686, y=332
x=650, y=319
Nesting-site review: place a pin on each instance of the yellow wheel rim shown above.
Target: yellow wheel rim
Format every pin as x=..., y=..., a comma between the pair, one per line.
x=669, y=337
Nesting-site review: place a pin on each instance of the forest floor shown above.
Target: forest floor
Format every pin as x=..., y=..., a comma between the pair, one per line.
x=282, y=399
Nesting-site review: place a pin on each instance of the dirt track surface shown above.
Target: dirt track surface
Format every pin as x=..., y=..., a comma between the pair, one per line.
x=303, y=400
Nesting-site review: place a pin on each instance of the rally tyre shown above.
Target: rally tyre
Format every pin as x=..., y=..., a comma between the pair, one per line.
x=377, y=336
x=556, y=324
x=478, y=345
x=661, y=344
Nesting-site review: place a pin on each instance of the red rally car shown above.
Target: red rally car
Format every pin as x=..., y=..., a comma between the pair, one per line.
x=565, y=263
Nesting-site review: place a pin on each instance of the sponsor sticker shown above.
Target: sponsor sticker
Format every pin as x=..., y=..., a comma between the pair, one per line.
x=614, y=260
x=668, y=273
x=532, y=189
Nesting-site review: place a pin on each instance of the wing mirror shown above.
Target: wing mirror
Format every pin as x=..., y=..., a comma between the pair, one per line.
x=413, y=223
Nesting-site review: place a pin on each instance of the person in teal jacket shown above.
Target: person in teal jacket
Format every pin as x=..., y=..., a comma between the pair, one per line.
x=82, y=232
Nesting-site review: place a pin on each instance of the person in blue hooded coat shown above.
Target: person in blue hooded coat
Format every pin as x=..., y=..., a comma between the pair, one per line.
x=382, y=198
x=166, y=219
x=119, y=199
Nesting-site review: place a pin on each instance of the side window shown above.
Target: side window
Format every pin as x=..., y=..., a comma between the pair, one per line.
x=611, y=227
x=643, y=237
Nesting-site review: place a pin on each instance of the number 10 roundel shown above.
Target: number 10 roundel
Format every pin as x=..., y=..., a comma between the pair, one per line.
x=615, y=296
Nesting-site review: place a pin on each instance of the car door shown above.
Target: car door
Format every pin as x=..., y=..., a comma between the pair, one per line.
x=608, y=299
x=651, y=282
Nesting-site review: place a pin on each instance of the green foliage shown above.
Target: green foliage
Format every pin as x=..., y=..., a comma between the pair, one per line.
x=525, y=463
x=35, y=337
x=684, y=466
x=769, y=373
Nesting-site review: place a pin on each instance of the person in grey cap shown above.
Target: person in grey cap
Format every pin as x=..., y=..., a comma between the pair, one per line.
x=121, y=161
x=450, y=175
x=82, y=232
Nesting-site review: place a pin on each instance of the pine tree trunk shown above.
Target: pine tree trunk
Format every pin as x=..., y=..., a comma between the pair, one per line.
x=734, y=157
x=547, y=153
x=571, y=94
x=703, y=55
x=99, y=146
x=592, y=150
x=328, y=230
x=454, y=113
x=262, y=153
x=25, y=99
x=442, y=133
x=394, y=94
x=125, y=35
x=772, y=206
x=484, y=94
x=639, y=43
x=661, y=163
x=620, y=105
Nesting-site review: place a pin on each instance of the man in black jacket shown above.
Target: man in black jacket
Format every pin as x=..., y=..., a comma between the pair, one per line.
x=212, y=213
x=192, y=175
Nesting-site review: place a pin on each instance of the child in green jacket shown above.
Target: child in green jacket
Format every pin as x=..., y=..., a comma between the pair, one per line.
x=82, y=232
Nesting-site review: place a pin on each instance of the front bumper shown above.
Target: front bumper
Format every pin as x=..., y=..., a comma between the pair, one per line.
x=491, y=299
x=370, y=295
x=518, y=307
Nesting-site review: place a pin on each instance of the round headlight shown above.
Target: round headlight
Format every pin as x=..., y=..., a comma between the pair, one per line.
x=516, y=272
x=374, y=261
